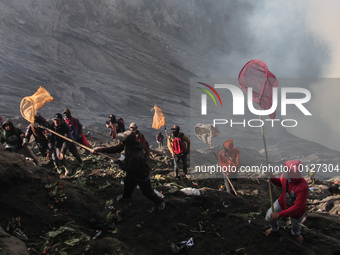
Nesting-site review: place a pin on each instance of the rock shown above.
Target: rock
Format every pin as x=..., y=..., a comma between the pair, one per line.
x=11, y=245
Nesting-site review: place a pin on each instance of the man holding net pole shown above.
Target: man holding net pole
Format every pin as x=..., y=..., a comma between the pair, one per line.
x=206, y=132
x=260, y=82
x=28, y=108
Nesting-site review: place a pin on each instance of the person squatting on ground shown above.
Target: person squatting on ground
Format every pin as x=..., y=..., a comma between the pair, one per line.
x=179, y=147
x=292, y=202
x=159, y=140
x=38, y=133
x=59, y=145
x=140, y=138
x=229, y=159
x=13, y=139
x=136, y=167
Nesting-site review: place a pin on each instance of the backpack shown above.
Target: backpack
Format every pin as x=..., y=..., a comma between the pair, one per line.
x=334, y=189
x=121, y=124
x=178, y=144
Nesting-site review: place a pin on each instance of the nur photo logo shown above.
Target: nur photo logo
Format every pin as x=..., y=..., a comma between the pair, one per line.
x=204, y=97
x=263, y=98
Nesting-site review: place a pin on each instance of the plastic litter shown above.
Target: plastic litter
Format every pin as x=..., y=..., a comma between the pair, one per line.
x=72, y=242
x=19, y=234
x=62, y=229
x=181, y=246
x=122, y=157
x=225, y=205
x=97, y=235
x=191, y=191
x=158, y=193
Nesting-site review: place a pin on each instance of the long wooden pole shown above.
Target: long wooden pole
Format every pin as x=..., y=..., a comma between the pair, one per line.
x=166, y=132
x=266, y=153
x=224, y=176
x=72, y=141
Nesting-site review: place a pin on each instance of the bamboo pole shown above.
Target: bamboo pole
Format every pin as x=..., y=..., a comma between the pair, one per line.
x=79, y=144
x=266, y=153
x=224, y=176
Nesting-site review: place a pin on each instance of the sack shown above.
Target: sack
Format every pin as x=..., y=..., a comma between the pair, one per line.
x=121, y=125
x=178, y=145
x=334, y=189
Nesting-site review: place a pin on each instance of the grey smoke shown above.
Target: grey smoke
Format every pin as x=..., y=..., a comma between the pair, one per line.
x=115, y=56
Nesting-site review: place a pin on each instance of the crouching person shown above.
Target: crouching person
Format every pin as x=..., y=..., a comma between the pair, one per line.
x=13, y=139
x=292, y=202
x=136, y=167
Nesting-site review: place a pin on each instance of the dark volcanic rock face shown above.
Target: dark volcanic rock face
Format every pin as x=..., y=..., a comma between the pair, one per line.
x=124, y=57
x=120, y=57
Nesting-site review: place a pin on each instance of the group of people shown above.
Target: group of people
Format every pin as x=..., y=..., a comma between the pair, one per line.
x=49, y=137
x=291, y=203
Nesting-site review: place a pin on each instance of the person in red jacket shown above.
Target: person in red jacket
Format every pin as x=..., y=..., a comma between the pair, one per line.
x=229, y=159
x=293, y=200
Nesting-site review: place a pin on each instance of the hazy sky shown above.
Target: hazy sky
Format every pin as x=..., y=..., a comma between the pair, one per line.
x=322, y=17
x=273, y=23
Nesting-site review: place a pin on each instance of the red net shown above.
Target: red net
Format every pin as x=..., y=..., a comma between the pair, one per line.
x=255, y=74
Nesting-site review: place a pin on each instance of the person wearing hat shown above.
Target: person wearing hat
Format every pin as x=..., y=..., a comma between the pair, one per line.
x=38, y=133
x=140, y=138
x=115, y=125
x=75, y=126
x=228, y=158
x=292, y=202
x=111, y=123
x=179, y=147
x=13, y=139
x=59, y=145
x=136, y=167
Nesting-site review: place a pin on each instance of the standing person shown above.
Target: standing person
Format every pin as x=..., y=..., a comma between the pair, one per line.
x=140, y=138
x=159, y=140
x=116, y=126
x=292, y=202
x=74, y=124
x=60, y=146
x=228, y=158
x=136, y=167
x=38, y=133
x=76, y=129
x=112, y=125
x=121, y=125
x=13, y=139
x=179, y=147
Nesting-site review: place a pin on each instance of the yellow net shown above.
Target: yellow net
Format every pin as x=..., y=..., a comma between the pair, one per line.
x=29, y=105
x=158, y=118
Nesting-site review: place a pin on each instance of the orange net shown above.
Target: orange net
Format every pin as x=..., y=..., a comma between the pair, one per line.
x=158, y=118
x=29, y=105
